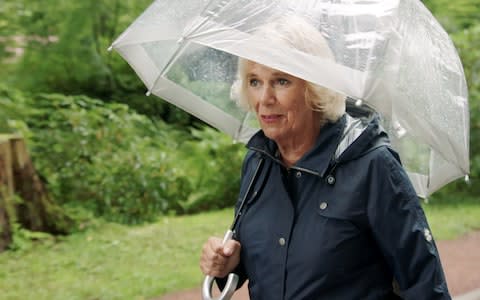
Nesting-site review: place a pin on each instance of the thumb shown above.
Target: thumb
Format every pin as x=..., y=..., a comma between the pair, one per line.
x=230, y=247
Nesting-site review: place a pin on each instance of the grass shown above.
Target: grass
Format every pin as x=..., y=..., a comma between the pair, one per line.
x=111, y=261
x=450, y=218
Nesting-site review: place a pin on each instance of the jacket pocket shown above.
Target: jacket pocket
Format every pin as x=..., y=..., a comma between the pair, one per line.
x=344, y=235
x=343, y=211
x=341, y=226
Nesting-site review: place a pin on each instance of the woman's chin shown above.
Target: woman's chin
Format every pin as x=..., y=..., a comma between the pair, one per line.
x=273, y=133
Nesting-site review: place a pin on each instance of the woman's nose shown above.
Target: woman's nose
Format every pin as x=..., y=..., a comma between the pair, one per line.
x=267, y=95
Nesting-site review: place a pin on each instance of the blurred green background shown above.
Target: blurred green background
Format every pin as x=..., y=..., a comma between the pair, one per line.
x=141, y=179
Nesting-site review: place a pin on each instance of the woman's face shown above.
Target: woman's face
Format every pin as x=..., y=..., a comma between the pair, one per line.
x=278, y=100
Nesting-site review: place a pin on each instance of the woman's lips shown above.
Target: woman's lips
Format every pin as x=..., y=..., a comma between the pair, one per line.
x=270, y=118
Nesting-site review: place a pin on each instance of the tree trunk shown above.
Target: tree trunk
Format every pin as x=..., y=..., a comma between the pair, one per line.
x=6, y=192
x=36, y=211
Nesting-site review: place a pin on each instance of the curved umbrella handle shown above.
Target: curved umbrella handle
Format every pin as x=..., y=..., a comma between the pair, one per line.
x=229, y=288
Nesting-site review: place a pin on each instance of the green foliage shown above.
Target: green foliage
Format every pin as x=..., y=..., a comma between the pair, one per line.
x=62, y=54
x=12, y=112
x=65, y=46
x=109, y=158
x=7, y=28
x=211, y=166
x=455, y=15
x=120, y=164
x=92, y=155
x=24, y=239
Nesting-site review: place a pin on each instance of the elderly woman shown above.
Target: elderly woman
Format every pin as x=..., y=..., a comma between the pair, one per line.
x=332, y=213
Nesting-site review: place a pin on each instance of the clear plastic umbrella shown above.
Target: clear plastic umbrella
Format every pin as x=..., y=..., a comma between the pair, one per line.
x=388, y=55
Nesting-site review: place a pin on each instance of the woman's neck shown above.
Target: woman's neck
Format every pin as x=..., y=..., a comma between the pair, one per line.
x=293, y=149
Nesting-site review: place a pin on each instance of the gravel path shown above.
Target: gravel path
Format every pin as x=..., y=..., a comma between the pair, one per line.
x=460, y=259
x=461, y=262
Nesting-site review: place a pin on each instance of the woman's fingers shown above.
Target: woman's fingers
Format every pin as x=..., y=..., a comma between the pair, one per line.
x=231, y=247
x=217, y=259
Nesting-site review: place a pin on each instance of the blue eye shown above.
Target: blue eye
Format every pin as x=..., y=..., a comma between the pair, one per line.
x=253, y=82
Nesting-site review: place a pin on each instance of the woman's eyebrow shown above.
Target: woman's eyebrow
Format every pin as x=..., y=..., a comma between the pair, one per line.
x=281, y=74
x=275, y=74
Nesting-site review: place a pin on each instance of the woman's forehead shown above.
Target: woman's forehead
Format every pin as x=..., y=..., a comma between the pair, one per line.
x=252, y=68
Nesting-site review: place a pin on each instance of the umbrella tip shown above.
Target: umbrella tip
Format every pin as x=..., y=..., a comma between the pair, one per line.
x=148, y=93
x=467, y=179
x=110, y=48
x=358, y=103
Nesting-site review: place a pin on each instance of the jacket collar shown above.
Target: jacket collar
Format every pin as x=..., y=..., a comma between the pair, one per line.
x=317, y=159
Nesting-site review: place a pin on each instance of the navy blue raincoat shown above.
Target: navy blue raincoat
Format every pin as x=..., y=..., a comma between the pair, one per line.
x=343, y=223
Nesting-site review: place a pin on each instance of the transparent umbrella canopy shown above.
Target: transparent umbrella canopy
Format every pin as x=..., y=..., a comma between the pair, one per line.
x=389, y=56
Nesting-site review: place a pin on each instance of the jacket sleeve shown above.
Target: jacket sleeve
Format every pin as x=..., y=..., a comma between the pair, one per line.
x=400, y=228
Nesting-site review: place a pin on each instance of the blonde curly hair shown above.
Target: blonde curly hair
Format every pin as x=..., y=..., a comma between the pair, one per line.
x=296, y=33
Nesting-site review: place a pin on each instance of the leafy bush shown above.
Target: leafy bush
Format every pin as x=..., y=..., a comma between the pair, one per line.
x=211, y=166
x=65, y=51
x=454, y=16
x=123, y=165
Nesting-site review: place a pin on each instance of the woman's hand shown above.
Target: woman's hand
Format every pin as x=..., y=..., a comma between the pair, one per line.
x=218, y=260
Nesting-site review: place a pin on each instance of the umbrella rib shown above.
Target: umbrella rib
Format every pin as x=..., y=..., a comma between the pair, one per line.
x=191, y=34
x=185, y=37
x=240, y=128
x=209, y=14
x=167, y=66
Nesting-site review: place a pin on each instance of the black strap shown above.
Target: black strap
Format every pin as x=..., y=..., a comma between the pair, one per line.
x=242, y=208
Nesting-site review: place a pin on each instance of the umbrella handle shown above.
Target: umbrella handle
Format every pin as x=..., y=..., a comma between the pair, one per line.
x=232, y=280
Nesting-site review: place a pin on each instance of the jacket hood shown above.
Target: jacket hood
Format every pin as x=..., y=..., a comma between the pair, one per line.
x=360, y=136
x=347, y=139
